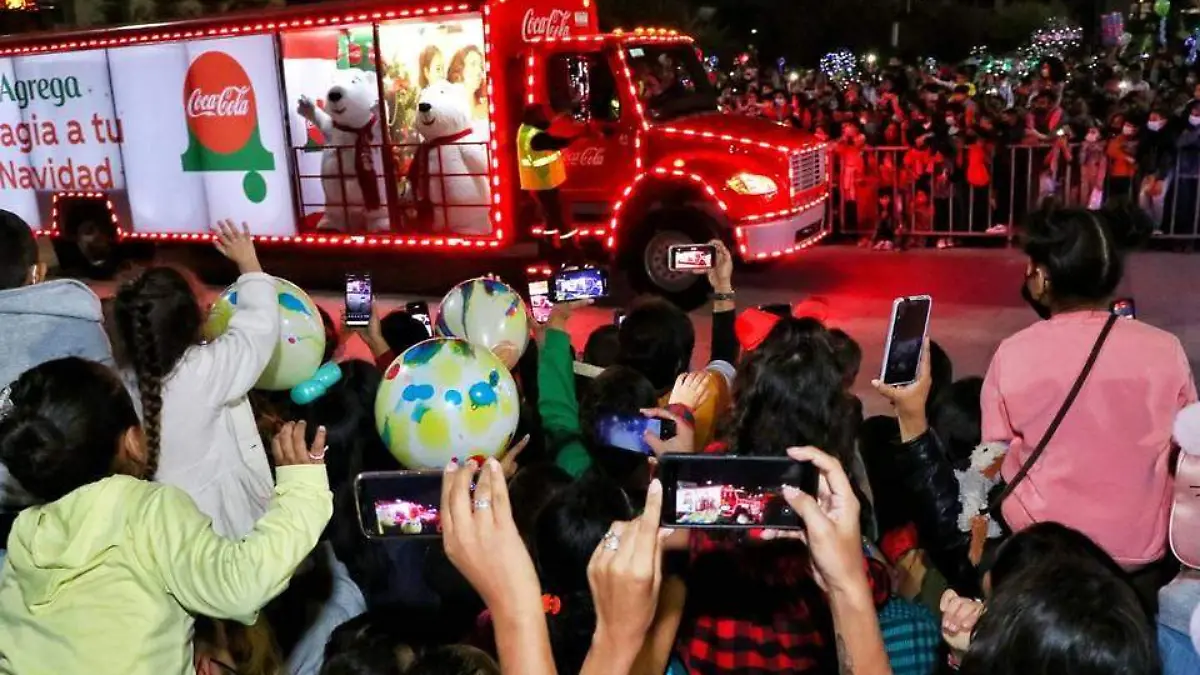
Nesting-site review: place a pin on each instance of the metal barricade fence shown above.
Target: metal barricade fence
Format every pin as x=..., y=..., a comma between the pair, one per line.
x=915, y=195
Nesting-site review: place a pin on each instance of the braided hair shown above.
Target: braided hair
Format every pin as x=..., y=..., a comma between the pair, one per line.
x=158, y=318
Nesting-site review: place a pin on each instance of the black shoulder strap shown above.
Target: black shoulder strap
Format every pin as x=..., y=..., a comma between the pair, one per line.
x=994, y=507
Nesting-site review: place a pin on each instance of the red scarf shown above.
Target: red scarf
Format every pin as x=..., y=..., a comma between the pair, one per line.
x=418, y=171
x=364, y=165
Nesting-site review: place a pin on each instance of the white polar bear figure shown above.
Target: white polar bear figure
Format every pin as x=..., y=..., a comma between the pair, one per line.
x=352, y=130
x=449, y=175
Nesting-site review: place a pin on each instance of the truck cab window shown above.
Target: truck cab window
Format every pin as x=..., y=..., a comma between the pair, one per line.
x=583, y=86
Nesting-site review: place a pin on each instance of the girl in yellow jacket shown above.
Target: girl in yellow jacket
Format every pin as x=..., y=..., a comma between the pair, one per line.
x=104, y=577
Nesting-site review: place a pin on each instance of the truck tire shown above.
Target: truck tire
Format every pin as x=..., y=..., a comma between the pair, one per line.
x=646, y=258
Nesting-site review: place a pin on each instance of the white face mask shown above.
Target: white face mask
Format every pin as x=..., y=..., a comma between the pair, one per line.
x=1156, y=125
x=1194, y=120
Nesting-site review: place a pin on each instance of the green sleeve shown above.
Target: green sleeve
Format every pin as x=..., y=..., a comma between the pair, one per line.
x=557, y=404
x=226, y=579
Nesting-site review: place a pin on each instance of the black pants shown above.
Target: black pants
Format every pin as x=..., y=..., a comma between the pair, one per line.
x=561, y=244
x=550, y=201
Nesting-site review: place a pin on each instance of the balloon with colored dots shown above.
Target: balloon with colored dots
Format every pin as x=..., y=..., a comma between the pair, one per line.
x=301, y=335
x=446, y=398
x=486, y=312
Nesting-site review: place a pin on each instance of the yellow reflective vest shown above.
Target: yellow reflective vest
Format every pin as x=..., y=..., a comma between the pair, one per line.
x=540, y=169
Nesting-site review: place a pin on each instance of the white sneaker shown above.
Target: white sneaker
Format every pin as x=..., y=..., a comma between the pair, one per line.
x=997, y=229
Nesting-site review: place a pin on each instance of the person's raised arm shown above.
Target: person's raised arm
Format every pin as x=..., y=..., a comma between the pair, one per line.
x=557, y=403
x=232, y=363
x=831, y=530
x=482, y=541
x=225, y=579
x=724, y=308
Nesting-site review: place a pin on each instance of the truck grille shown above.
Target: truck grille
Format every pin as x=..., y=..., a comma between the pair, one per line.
x=807, y=169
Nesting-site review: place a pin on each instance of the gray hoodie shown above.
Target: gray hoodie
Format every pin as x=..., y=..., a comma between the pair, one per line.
x=40, y=323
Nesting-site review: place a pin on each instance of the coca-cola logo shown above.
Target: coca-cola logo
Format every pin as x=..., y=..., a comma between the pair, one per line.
x=219, y=102
x=555, y=25
x=589, y=156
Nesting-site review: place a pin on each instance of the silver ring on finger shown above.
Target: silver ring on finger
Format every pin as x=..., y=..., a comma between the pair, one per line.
x=612, y=541
x=482, y=504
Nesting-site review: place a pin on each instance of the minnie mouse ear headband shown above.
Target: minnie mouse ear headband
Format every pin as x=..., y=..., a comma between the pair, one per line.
x=315, y=387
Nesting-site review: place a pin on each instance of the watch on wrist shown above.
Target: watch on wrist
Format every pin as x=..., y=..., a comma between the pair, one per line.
x=724, y=296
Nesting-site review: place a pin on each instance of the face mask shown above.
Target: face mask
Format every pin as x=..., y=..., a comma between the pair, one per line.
x=950, y=122
x=1194, y=120
x=1041, y=310
x=1155, y=125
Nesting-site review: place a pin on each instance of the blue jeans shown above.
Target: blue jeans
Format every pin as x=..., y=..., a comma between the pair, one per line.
x=1179, y=656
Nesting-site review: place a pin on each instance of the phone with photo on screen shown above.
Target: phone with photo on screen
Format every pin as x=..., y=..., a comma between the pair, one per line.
x=691, y=257
x=578, y=283
x=905, y=340
x=399, y=503
x=419, y=310
x=360, y=299
x=539, y=301
x=628, y=432
x=718, y=492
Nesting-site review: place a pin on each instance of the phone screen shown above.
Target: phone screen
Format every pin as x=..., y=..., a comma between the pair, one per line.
x=359, y=299
x=629, y=432
x=706, y=492
x=692, y=257
x=906, y=334
x=539, y=301
x=399, y=503
x=1124, y=308
x=419, y=310
x=579, y=284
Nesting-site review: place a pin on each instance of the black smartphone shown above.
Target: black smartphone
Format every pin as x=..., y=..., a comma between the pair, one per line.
x=691, y=257
x=716, y=492
x=360, y=299
x=578, y=283
x=628, y=432
x=419, y=310
x=906, y=335
x=782, y=310
x=1124, y=308
x=618, y=317
x=539, y=301
x=399, y=503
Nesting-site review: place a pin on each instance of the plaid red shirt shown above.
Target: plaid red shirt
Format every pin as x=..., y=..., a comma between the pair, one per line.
x=723, y=632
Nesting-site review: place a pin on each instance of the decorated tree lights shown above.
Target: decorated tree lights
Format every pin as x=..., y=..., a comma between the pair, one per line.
x=841, y=67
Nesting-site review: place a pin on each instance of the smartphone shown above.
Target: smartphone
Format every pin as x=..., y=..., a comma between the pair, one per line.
x=399, y=503
x=715, y=492
x=360, y=299
x=579, y=283
x=691, y=257
x=629, y=432
x=618, y=317
x=419, y=310
x=1124, y=308
x=906, y=335
x=782, y=310
x=539, y=301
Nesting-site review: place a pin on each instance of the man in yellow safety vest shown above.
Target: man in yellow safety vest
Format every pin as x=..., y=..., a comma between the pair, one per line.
x=543, y=170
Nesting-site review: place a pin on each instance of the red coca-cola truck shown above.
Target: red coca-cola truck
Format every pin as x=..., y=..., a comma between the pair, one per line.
x=391, y=125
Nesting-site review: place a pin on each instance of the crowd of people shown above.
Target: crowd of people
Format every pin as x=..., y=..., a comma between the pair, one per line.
x=161, y=516
x=938, y=154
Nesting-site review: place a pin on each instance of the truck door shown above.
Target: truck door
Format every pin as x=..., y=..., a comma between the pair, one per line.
x=583, y=92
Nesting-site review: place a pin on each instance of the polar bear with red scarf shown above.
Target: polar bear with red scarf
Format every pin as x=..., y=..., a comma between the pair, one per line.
x=448, y=178
x=350, y=125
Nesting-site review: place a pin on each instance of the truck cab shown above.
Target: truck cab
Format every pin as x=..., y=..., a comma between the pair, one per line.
x=658, y=164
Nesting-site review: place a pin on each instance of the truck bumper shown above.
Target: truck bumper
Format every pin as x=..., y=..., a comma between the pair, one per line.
x=759, y=240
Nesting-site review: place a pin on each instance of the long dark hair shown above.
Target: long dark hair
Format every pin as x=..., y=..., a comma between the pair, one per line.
x=158, y=319
x=63, y=425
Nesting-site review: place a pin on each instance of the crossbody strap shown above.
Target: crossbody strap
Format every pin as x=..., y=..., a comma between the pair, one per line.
x=994, y=507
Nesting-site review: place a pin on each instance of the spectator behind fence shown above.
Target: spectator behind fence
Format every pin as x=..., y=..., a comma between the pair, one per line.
x=192, y=395
x=41, y=321
x=106, y=576
x=1105, y=471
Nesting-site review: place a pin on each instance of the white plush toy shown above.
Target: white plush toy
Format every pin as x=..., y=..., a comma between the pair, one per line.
x=352, y=130
x=448, y=177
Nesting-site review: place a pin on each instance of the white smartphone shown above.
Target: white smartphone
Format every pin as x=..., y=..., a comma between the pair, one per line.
x=905, y=339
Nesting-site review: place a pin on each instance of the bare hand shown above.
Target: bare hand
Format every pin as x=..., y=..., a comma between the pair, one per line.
x=625, y=574
x=831, y=526
x=482, y=541
x=692, y=390
x=684, y=441
x=959, y=616
x=372, y=333
x=561, y=314
x=236, y=244
x=508, y=463
x=289, y=449
x=910, y=400
x=721, y=274
x=306, y=107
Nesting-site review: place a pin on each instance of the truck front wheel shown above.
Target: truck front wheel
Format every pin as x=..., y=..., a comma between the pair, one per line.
x=648, y=260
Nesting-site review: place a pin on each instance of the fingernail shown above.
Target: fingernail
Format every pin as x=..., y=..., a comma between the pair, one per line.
x=492, y=464
x=452, y=466
x=321, y=429
x=454, y=460
x=655, y=487
x=790, y=492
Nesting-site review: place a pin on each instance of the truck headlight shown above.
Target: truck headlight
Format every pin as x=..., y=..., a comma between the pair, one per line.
x=752, y=184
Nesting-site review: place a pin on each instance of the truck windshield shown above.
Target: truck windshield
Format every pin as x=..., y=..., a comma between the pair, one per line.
x=670, y=80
